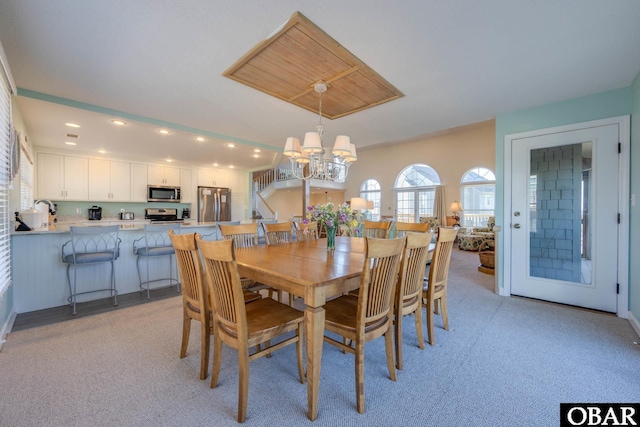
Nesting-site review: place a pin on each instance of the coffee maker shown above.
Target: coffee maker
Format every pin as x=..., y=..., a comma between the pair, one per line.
x=186, y=213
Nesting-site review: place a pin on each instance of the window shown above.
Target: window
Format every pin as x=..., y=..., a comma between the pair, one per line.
x=26, y=181
x=478, y=195
x=415, y=192
x=370, y=191
x=5, y=178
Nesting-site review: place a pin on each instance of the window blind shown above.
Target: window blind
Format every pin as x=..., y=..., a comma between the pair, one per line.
x=26, y=181
x=5, y=181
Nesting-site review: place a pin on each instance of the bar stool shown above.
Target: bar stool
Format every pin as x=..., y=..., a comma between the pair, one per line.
x=91, y=246
x=155, y=243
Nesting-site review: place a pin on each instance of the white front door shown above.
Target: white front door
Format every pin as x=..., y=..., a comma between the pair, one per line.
x=564, y=217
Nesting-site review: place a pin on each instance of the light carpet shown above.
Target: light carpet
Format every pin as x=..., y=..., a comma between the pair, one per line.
x=504, y=362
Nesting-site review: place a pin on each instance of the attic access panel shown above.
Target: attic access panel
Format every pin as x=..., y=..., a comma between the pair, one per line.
x=297, y=56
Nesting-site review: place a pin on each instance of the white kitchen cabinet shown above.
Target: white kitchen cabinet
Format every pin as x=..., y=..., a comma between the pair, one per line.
x=238, y=205
x=163, y=175
x=138, y=182
x=238, y=181
x=109, y=181
x=62, y=177
x=186, y=186
x=213, y=177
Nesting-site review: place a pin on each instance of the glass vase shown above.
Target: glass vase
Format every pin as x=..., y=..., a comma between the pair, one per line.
x=331, y=238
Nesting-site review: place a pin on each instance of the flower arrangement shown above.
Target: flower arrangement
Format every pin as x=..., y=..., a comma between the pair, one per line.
x=325, y=214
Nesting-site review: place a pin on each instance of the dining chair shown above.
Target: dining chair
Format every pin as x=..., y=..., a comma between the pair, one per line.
x=378, y=229
x=418, y=227
x=90, y=246
x=308, y=231
x=243, y=326
x=246, y=236
x=408, y=296
x=153, y=244
x=196, y=302
x=279, y=233
x=369, y=315
x=434, y=293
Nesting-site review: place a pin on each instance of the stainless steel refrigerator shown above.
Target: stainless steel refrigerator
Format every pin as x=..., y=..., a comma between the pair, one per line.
x=214, y=204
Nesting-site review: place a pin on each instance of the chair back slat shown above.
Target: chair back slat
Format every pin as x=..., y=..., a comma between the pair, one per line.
x=379, y=276
x=277, y=234
x=190, y=268
x=377, y=229
x=243, y=235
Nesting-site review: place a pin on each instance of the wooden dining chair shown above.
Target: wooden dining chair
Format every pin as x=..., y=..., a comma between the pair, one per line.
x=246, y=236
x=417, y=227
x=408, y=296
x=378, y=229
x=196, y=302
x=434, y=293
x=279, y=233
x=308, y=231
x=369, y=315
x=243, y=326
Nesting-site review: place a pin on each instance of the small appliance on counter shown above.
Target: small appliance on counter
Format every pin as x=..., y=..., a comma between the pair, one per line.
x=186, y=213
x=162, y=215
x=95, y=213
x=126, y=215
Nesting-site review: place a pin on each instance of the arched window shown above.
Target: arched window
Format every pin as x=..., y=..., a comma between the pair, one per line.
x=478, y=196
x=370, y=191
x=415, y=190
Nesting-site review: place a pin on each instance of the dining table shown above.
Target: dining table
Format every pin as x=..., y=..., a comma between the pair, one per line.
x=309, y=270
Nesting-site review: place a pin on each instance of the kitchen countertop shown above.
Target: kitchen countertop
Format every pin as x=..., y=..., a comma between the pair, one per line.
x=125, y=225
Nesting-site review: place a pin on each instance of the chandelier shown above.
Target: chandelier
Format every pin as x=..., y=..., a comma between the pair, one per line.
x=323, y=165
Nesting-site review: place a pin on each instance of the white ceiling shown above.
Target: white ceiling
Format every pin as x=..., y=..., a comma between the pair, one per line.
x=159, y=64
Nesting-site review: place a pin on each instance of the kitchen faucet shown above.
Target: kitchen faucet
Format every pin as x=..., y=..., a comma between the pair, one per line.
x=52, y=206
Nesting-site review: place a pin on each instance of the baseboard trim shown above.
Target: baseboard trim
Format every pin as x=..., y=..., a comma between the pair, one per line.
x=6, y=328
x=634, y=323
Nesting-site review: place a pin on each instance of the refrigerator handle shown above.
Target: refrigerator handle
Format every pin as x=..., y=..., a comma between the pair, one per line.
x=217, y=206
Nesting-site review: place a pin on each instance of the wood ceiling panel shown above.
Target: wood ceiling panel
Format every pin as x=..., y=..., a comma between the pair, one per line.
x=288, y=64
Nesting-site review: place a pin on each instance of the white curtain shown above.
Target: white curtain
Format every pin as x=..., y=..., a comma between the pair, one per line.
x=439, y=206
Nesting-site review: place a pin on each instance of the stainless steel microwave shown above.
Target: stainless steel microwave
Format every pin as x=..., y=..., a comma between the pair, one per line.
x=161, y=193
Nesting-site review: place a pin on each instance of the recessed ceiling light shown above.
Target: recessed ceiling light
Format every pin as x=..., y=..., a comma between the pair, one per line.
x=164, y=131
x=215, y=164
x=102, y=151
x=231, y=145
x=72, y=125
x=169, y=160
x=231, y=166
x=257, y=150
x=118, y=122
x=200, y=139
x=256, y=155
x=70, y=143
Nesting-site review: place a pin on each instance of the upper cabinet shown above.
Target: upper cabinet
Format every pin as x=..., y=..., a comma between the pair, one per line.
x=62, y=177
x=109, y=181
x=213, y=177
x=138, y=182
x=163, y=175
x=186, y=186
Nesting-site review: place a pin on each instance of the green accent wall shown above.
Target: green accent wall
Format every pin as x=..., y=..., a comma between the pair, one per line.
x=634, y=211
x=601, y=105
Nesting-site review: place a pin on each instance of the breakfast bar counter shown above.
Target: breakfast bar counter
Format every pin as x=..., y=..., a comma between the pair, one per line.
x=40, y=277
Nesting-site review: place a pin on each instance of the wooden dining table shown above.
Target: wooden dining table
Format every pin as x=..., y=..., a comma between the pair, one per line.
x=310, y=271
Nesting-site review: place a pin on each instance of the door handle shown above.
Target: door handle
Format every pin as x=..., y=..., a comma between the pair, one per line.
x=516, y=225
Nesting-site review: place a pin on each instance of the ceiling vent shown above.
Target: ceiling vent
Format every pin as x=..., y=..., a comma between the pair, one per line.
x=71, y=135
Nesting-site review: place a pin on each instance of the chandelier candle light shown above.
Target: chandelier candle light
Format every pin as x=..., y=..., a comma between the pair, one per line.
x=324, y=165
